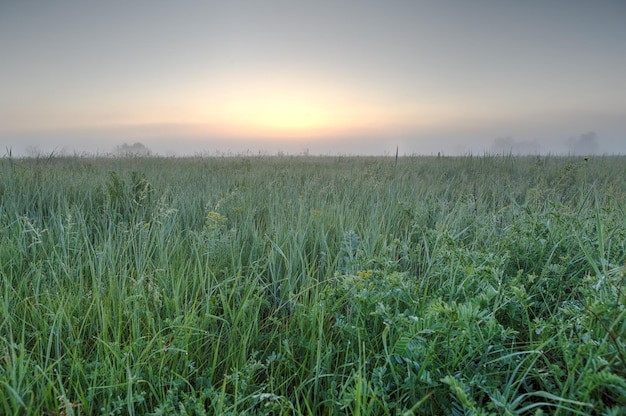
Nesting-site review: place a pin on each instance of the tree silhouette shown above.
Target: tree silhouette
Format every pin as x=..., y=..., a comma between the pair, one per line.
x=135, y=150
x=586, y=144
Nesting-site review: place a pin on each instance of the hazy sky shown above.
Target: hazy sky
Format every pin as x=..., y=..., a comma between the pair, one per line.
x=357, y=77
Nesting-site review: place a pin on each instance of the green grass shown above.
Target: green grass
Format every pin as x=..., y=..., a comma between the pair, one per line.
x=304, y=285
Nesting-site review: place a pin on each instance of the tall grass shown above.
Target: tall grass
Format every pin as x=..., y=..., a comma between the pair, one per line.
x=303, y=285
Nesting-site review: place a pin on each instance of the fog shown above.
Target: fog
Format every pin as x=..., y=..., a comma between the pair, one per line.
x=585, y=144
x=173, y=140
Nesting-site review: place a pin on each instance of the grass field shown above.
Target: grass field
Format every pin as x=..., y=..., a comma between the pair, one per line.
x=305, y=285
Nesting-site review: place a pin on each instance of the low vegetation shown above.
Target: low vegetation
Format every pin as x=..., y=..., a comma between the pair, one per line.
x=303, y=285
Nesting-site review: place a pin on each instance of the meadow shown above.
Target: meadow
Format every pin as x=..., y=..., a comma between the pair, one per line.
x=490, y=285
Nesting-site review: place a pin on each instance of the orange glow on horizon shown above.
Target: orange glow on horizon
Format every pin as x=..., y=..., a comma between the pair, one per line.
x=280, y=110
x=290, y=110
x=247, y=108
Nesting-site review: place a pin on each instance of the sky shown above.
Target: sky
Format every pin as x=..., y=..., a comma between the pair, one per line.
x=317, y=77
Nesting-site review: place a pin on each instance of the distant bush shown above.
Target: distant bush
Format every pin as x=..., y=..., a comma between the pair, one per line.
x=132, y=150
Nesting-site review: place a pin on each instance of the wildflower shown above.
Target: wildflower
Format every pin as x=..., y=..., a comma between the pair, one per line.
x=364, y=274
x=215, y=221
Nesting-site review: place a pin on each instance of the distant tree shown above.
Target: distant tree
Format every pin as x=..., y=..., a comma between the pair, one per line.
x=586, y=144
x=136, y=150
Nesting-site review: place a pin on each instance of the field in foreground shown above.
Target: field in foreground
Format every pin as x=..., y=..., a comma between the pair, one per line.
x=331, y=286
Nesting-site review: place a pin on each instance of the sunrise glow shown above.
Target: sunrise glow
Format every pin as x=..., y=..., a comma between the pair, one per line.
x=293, y=108
x=280, y=117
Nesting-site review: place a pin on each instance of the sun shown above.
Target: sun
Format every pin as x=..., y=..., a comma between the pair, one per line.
x=281, y=111
x=290, y=109
x=284, y=117
x=291, y=117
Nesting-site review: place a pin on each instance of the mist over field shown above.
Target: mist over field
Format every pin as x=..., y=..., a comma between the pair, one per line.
x=167, y=141
x=136, y=280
